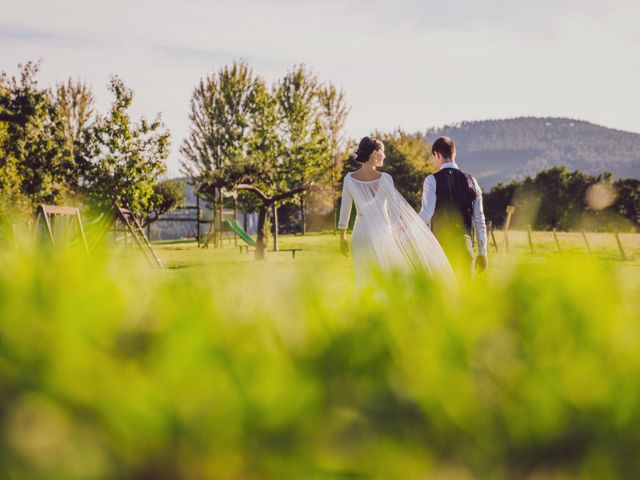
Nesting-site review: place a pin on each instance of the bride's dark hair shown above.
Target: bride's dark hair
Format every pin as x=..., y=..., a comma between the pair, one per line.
x=367, y=146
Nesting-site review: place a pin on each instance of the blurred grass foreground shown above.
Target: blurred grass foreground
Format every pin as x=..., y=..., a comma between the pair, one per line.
x=110, y=369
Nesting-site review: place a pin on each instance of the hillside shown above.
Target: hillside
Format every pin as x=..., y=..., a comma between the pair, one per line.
x=502, y=150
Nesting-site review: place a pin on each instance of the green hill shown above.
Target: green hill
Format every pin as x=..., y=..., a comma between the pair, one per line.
x=501, y=150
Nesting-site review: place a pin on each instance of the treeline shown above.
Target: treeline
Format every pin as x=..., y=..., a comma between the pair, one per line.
x=278, y=149
x=55, y=148
x=564, y=200
x=554, y=198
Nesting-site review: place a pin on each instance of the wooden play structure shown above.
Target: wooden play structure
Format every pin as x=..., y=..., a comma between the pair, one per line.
x=233, y=225
x=63, y=224
x=126, y=224
x=58, y=222
x=218, y=226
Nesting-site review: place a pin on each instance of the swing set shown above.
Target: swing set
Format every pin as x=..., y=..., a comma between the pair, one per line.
x=62, y=225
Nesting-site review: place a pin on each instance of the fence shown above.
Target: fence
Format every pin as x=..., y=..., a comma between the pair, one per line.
x=623, y=245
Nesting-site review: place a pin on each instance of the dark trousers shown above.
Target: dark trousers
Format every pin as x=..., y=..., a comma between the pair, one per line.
x=459, y=250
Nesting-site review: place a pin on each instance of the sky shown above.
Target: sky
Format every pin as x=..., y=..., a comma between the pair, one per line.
x=403, y=63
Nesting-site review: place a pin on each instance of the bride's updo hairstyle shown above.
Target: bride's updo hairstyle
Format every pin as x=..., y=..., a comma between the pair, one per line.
x=367, y=146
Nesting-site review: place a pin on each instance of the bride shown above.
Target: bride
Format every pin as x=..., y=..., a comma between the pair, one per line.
x=388, y=233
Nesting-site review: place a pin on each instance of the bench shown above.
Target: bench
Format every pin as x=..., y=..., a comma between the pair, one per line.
x=245, y=248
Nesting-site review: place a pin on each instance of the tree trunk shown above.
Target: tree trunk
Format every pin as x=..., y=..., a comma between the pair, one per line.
x=276, y=247
x=304, y=226
x=335, y=211
x=333, y=190
x=262, y=215
x=216, y=219
x=198, y=219
x=267, y=202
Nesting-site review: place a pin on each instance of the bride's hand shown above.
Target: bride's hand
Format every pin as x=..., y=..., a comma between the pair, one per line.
x=344, y=245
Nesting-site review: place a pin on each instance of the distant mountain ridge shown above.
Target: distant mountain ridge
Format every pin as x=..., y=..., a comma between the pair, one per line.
x=503, y=150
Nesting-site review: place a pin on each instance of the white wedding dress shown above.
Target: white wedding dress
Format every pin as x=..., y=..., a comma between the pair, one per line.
x=388, y=234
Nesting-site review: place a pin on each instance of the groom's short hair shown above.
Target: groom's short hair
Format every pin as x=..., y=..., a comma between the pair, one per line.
x=445, y=146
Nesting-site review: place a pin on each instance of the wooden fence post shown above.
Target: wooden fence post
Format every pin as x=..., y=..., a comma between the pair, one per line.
x=555, y=236
x=624, y=256
x=505, y=241
x=530, y=239
x=586, y=241
x=276, y=246
x=493, y=236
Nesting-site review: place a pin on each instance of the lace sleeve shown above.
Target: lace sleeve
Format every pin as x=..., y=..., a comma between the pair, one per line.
x=346, y=204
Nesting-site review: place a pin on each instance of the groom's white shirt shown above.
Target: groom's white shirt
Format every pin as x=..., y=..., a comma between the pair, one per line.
x=477, y=219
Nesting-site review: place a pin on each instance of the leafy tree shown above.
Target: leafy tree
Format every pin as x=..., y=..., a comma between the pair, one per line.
x=262, y=172
x=495, y=202
x=408, y=161
x=125, y=158
x=35, y=160
x=557, y=198
x=248, y=137
x=220, y=110
x=76, y=103
x=167, y=195
x=305, y=152
x=627, y=202
x=232, y=117
x=552, y=188
x=334, y=111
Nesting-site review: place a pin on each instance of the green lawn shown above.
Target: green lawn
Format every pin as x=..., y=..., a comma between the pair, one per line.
x=320, y=256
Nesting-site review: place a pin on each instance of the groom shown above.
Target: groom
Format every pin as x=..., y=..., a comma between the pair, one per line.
x=452, y=207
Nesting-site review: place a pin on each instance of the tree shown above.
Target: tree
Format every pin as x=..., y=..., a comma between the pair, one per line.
x=248, y=137
x=496, y=201
x=76, y=103
x=305, y=150
x=408, y=161
x=262, y=172
x=627, y=201
x=334, y=111
x=221, y=112
x=557, y=198
x=35, y=159
x=167, y=195
x=125, y=158
x=230, y=122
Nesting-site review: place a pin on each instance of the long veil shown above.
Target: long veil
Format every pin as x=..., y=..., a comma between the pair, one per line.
x=399, y=237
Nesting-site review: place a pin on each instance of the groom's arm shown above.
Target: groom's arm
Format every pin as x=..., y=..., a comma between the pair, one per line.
x=428, y=206
x=479, y=223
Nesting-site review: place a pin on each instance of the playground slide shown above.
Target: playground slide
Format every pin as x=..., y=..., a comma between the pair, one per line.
x=237, y=229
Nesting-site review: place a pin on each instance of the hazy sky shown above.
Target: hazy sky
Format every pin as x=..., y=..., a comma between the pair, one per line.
x=403, y=63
